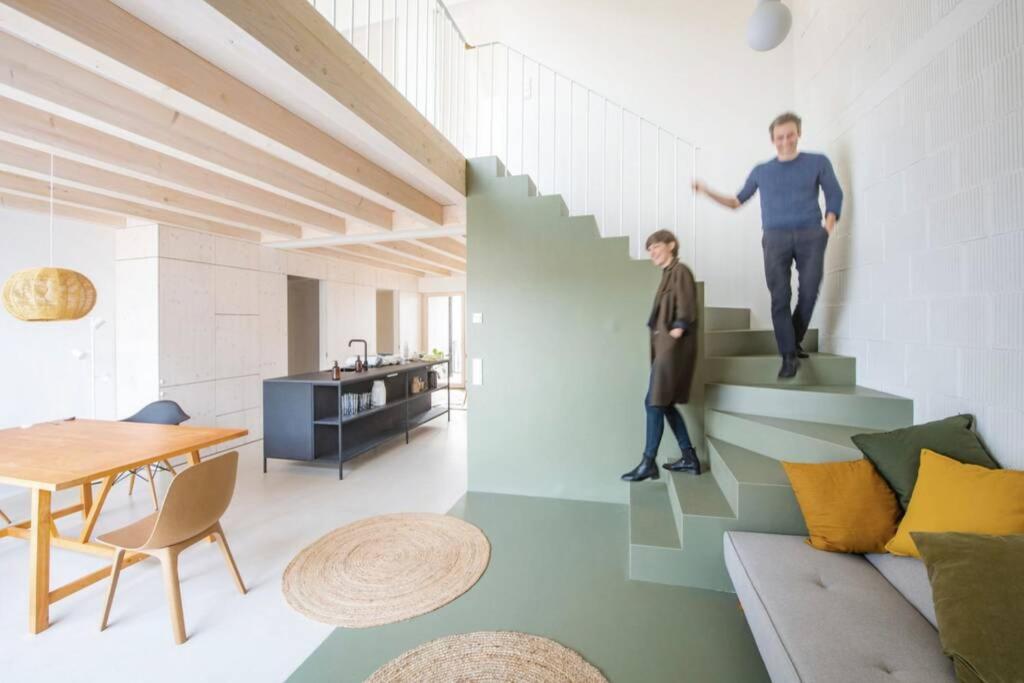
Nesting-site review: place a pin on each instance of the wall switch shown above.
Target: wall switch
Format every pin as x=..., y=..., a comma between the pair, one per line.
x=478, y=371
x=478, y=318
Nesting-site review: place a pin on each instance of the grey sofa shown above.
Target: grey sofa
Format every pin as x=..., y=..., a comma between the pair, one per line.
x=820, y=617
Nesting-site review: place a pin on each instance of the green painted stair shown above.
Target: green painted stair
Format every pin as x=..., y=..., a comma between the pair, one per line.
x=819, y=369
x=750, y=342
x=785, y=439
x=743, y=491
x=717, y=318
x=850, y=405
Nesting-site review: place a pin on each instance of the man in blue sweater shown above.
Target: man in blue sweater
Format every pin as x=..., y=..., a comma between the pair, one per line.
x=793, y=231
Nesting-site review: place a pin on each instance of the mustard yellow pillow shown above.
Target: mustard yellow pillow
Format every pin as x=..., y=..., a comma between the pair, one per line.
x=847, y=506
x=956, y=496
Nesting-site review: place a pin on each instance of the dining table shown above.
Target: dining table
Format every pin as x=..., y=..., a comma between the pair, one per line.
x=79, y=454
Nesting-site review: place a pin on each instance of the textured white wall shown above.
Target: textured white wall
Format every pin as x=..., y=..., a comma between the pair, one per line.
x=684, y=66
x=220, y=310
x=919, y=103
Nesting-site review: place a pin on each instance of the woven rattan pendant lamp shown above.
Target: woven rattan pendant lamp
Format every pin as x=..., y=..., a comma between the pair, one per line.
x=49, y=294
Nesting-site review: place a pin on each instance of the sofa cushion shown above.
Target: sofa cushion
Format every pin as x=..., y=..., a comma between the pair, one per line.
x=909, y=576
x=956, y=496
x=897, y=454
x=979, y=600
x=847, y=507
x=829, y=617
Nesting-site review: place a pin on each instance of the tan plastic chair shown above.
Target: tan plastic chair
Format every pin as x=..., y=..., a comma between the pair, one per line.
x=195, y=501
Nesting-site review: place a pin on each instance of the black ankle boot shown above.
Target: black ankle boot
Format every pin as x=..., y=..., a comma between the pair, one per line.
x=790, y=364
x=647, y=469
x=688, y=462
x=800, y=353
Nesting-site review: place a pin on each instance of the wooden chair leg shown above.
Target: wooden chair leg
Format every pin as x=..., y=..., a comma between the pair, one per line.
x=169, y=560
x=131, y=482
x=223, y=542
x=7, y=520
x=168, y=465
x=115, y=572
x=152, y=487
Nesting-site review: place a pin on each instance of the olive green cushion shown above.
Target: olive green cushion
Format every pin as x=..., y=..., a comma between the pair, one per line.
x=897, y=454
x=979, y=602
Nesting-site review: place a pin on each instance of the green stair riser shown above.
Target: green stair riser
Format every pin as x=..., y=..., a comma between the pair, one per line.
x=750, y=342
x=716, y=318
x=774, y=442
x=816, y=370
x=869, y=411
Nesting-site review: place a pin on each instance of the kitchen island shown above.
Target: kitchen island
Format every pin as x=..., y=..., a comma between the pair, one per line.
x=303, y=416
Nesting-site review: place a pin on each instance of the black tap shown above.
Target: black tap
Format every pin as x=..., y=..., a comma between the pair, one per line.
x=360, y=367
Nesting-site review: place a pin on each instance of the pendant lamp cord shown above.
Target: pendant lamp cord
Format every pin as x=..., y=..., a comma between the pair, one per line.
x=51, y=209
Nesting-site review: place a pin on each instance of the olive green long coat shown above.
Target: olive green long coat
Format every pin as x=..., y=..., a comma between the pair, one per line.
x=673, y=361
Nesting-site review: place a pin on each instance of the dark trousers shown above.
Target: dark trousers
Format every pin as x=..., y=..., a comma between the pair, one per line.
x=781, y=248
x=657, y=416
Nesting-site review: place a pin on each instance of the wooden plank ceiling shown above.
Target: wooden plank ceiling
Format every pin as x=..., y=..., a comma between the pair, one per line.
x=136, y=126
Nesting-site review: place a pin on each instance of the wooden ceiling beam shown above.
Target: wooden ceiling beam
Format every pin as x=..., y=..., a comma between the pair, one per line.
x=24, y=203
x=20, y=160
x=298, y=34
x=38, y=73
x=91, y=200
x=106, y=28
x=423, y=254
x=446, y=246
x=376, y=254
x=331, y=253
x=23, y=123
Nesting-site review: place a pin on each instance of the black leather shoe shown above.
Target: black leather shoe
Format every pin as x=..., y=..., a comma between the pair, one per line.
x=647, y=469
x=790, y=364
x=800, y=353
x=688, y=462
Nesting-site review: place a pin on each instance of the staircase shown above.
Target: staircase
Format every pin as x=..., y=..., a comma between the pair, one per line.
x=742, y=418
x=752, y=421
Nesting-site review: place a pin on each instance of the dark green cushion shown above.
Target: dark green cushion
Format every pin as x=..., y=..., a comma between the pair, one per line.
x=979, y=602
x=897, y=454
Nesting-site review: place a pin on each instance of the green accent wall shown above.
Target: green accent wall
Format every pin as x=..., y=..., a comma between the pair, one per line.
x=564, y=347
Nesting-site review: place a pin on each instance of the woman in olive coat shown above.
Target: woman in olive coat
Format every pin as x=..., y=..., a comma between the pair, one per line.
x=673, y=324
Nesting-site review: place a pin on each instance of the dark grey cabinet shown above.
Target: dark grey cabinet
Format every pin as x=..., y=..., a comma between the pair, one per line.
x=303, y=418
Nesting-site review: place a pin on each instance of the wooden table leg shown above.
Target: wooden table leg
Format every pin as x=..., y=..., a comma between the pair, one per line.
x=39, y=563
x=94, y=513
x=193, y=458
x=86, y=500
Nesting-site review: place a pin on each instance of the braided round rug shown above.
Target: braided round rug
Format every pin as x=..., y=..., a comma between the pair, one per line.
x=493, y=656
x=386, y=569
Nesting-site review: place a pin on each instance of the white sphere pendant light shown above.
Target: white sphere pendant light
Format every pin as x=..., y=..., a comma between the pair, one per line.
x=769, y=25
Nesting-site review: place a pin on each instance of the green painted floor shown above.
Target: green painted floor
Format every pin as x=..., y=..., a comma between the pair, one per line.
x=558, y=569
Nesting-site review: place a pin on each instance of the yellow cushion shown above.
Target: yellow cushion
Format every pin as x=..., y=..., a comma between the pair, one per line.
x=955, y=496
x=847, y=506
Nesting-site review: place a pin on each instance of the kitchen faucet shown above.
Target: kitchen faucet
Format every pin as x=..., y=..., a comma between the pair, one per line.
x=360, y=367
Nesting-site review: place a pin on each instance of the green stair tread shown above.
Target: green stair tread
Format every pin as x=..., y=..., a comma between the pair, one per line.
x=813, y=354
x=651, y=522
x=700, y=496
x=838, y=389
x=822, y=431
x=749, y=467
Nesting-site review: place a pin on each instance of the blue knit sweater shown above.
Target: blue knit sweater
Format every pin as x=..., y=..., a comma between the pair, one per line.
x=789, y=191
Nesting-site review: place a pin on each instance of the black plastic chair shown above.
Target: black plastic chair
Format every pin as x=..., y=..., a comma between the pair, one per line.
x=164, y=412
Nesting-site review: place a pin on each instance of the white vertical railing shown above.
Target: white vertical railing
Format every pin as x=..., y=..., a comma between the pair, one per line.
x=633, y=175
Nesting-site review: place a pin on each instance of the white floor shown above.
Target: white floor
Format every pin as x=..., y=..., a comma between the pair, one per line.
x=255, y=637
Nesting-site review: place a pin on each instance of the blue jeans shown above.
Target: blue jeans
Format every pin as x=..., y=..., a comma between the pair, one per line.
x=656, y=418
x=805, y=247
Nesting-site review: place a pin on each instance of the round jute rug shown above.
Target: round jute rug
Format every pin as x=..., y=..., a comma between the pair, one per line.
x=386, y=569
x=493, y=656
